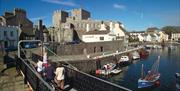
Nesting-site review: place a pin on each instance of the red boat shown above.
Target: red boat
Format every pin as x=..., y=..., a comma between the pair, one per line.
x=143, y=53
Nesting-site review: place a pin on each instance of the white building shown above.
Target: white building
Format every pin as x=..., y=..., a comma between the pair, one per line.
x=116, y=32
x=8, y=36
x=141, y=37
x=175, y=36
x=163, y=36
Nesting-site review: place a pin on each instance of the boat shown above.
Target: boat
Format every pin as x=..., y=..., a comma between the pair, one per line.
x=152, y=78
x=143, y=53
x=177, y=75
x=108, y=69
x=157, y=46
x=135, y=55
x=116, y=71
x=124, y=59
x=148, y=46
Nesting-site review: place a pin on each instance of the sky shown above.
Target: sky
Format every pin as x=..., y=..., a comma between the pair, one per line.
x=136, y=15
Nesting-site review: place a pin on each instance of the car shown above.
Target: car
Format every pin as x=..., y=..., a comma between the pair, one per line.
x=11, y=48
x=30, y=45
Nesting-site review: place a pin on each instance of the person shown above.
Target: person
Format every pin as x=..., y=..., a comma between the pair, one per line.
x=59, y=78
x=49, y=70
x=40, y=67
x=45, y=62
x=17, y=65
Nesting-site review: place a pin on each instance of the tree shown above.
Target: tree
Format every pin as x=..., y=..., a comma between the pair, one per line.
x=169, y=30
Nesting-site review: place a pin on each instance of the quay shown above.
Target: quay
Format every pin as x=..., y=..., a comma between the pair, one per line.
x=75, y=80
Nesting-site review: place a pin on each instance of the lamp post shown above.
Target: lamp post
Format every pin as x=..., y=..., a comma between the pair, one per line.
x=53, y=38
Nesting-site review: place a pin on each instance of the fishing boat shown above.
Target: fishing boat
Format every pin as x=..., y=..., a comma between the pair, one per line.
x=143, y=53
x=152, y=78
x=108, y=69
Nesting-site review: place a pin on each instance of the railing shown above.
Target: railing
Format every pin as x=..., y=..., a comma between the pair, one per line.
x=85, y=82
x=32, y=77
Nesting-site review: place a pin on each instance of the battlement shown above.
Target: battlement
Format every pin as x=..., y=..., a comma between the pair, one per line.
x=59, y=11
x=18, y=10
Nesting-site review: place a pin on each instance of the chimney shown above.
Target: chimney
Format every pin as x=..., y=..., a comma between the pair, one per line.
x=87, y=28
x=111, y=26
x=40, y=25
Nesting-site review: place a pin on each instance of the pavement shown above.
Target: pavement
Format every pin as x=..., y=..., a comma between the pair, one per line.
x=10, y=81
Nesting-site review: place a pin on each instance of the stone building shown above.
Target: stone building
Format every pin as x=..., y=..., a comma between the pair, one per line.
x=8, y=37
x=41, y=32
x=18, y=18
x=79, y=20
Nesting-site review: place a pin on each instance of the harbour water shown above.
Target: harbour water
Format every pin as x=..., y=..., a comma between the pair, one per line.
x=169, y=65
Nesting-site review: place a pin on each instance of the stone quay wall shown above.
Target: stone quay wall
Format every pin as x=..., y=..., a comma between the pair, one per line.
x=88, y=48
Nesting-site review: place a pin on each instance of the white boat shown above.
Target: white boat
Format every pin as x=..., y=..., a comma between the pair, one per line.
x=124, y=59
x=135, y=55
x=108, y=69
x=157, y=46
x=116, y=71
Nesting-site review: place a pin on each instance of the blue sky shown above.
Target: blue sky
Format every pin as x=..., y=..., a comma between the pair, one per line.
x=134, y=14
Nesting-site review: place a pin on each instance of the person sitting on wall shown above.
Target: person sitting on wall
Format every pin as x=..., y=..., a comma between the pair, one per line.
x=40, y=67
x=45, y=58
x=59, y=76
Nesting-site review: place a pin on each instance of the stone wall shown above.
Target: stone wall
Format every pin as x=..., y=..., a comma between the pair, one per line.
x=87, y=48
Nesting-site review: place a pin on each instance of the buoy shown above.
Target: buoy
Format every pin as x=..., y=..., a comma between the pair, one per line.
x=157, y=83
x=97, y=72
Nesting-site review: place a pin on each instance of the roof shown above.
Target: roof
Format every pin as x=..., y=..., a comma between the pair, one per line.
x=152, y=29
x=152, y=35
x=137, y=32
x=95, y=32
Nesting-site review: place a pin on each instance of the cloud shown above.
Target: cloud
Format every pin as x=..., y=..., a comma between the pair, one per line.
x=37, y=18
x=119, y=6
x=61, y=2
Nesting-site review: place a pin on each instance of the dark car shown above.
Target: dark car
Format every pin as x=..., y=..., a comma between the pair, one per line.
x=10, y=48
x=30, y=45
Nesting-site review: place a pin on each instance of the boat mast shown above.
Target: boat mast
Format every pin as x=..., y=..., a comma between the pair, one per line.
x=155, y=67
x=142, y=71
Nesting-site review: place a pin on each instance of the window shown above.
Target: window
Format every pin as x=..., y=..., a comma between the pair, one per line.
x=101, y=48
x=101, y=38
x=94, y=49
x=12, y=34
x=5, y=33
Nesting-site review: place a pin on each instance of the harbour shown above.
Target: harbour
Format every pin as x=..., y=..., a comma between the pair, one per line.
x=169, y=65
x=89, y=45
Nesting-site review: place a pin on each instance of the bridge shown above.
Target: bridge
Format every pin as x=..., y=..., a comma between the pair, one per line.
x=75, y=80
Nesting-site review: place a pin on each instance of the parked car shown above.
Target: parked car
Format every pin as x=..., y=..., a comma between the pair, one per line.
x=30, y=45
x=10, y=48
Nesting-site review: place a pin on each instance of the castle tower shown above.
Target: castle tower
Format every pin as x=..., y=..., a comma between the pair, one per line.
x=59, y=17
x=80, y=14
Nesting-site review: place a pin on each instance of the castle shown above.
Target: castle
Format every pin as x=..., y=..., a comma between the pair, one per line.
x=72, y=26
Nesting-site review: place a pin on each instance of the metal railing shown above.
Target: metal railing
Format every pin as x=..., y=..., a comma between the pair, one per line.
x=85, y=82
x=32, y=77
